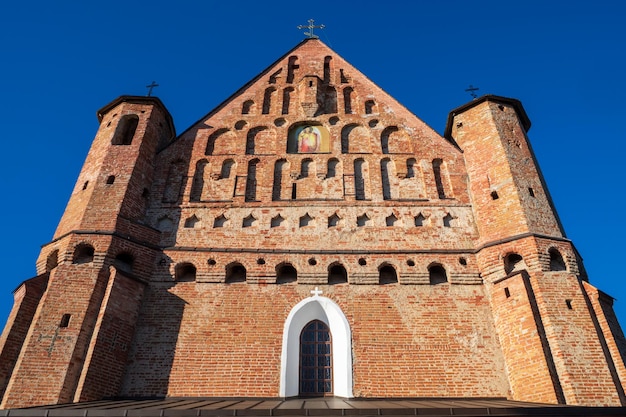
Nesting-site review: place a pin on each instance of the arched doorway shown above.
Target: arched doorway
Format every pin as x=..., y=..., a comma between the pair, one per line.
x=316, y=370
x=324, y=310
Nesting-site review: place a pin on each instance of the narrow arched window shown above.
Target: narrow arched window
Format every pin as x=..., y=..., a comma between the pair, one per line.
x=359, y=179
x=305, y=169
x=410, y=167
x=441, y=192
x=286, y=273
x=556, y=260
x=387, y=275
x=185, y=272
x=267, y=99
x=250, y=194
x=337, y=274
x=227, y=167
x=278, y=179
x=198, y=180
x=437, y=274
x=384, y=174
x=125, y=130
x=347, y=99
x=248, y=107
x=235, y=273
x=287, y=99
x=331, y=171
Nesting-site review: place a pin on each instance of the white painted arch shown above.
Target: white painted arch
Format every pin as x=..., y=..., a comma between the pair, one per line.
x=327, y=311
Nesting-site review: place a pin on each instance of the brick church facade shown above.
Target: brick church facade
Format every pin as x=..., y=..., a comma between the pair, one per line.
x=311, y=237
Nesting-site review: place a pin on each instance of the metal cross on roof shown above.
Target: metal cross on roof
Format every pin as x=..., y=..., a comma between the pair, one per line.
x=150, y=87
x=310, y=27
x=471, y=89
x=316, y=292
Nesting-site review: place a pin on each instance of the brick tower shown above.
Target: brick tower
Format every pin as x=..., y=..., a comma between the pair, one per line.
x=74, y=344
x=311, y=237
x=545, y=312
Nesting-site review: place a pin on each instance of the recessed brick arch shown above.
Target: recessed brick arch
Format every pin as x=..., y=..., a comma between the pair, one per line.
x=327, y=311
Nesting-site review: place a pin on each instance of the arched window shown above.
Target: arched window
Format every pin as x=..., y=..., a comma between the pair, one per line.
x=331, y=171
x=345, y=137
x=437, y=163
x=248, y=107
x=347, y=99
x=227, y=167
x=384, y=138
x=251, y=181
x=387, y=275
x=52, y=260
x=410, y=167
x=287, y=99
x=556, y=260
x=185, y=272
x=235, y=272
x=316, y=365
x=286, y=273
x=83, y=253
x=370, y=106
x=437, y=274
x=337, y=274
x=359, y=179
x=125, y=130
x=385, y=165
x=277, y=187
x=305, y=168
x=198, y=180
x=513, y=262
x=267, y=99
x=124, y=262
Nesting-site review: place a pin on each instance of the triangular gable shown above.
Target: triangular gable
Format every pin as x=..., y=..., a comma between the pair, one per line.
x=311, y=85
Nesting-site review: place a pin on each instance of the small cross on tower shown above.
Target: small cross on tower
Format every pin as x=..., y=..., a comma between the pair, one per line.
x=150, y=87
x=310, y=27
x=316, y=292
x=471, y=89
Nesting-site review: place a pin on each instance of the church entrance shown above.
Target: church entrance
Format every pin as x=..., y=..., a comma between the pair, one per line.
x=316, y=372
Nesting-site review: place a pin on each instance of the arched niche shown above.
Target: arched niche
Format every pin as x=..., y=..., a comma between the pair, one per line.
x=327, y=311
x=308, y=138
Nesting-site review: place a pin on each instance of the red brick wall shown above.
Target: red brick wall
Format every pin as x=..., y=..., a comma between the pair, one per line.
x=26, y=300
x=204, y=337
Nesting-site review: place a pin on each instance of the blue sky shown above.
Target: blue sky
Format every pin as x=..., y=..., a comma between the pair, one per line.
x=565, y=60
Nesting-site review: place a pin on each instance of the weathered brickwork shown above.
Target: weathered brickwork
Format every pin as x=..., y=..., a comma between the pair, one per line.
x=192, y=265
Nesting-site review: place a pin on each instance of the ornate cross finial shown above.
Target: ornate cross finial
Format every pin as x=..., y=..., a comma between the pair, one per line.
x=310, y=27
x=150, y=87
x=471, y=89
x=316, y=292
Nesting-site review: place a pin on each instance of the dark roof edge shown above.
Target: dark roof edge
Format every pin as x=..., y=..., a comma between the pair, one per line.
x=155, y=101
x=516, y=104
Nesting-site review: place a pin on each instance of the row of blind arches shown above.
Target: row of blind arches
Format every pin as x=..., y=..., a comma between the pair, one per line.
x=286, y=273
x=236, y=272
x=307, y=169
x=355, y=138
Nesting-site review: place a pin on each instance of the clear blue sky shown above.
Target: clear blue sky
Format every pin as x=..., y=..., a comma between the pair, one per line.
x=565, y=60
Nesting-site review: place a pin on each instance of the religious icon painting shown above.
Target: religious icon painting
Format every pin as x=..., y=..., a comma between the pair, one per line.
x=309, y=139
